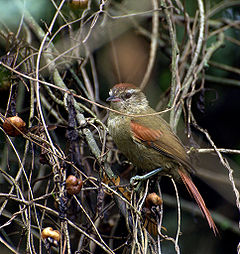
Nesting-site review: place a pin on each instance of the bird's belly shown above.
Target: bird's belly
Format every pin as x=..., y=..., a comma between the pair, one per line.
x=147, y=159
x=142, y=156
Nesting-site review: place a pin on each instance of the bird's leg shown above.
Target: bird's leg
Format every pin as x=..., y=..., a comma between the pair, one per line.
x=138, y=178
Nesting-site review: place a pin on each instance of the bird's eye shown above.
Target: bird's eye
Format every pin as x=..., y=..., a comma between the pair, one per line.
x=128, y=95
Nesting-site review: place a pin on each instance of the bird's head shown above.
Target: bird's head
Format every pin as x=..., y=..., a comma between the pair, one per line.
x=127, y=98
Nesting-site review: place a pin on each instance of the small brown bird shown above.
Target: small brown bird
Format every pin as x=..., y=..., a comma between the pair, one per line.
x=148, y=141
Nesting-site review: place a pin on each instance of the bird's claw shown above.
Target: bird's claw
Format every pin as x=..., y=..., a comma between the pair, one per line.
x=134, y=180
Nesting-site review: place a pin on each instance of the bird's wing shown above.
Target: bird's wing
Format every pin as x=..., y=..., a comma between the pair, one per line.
x=163, y=140
x=166, y=142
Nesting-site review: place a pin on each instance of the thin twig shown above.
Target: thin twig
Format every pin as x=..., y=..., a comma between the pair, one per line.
x=153, y=46
x=179, y=217
x=187, y=79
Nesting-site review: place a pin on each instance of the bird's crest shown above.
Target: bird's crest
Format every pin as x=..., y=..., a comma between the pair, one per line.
x=125, y=86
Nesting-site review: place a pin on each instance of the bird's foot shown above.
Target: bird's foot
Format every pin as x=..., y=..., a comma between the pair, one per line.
x=135, y=179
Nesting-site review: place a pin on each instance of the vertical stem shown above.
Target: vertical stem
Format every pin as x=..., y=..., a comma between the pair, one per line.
x=175, y=82
x=175, y=115
x=179, y=217
x=153, y=48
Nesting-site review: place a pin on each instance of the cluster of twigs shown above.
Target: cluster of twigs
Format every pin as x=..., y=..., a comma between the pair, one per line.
x=52, y=82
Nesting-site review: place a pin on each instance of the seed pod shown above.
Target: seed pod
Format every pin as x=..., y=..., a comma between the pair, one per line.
x=50, y=233
x=78, y=4
x=14, y=125
x=73, y=185
x=153, y=199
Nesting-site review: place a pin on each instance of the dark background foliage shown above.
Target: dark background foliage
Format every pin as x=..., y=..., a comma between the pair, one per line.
x=59, y=58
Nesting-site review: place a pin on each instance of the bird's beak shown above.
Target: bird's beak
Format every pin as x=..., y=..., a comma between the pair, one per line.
x=113, y=98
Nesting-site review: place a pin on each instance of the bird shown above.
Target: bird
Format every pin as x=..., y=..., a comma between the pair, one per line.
x=148, y=141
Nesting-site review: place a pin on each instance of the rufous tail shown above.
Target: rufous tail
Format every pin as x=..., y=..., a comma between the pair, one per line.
x=192, y=189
